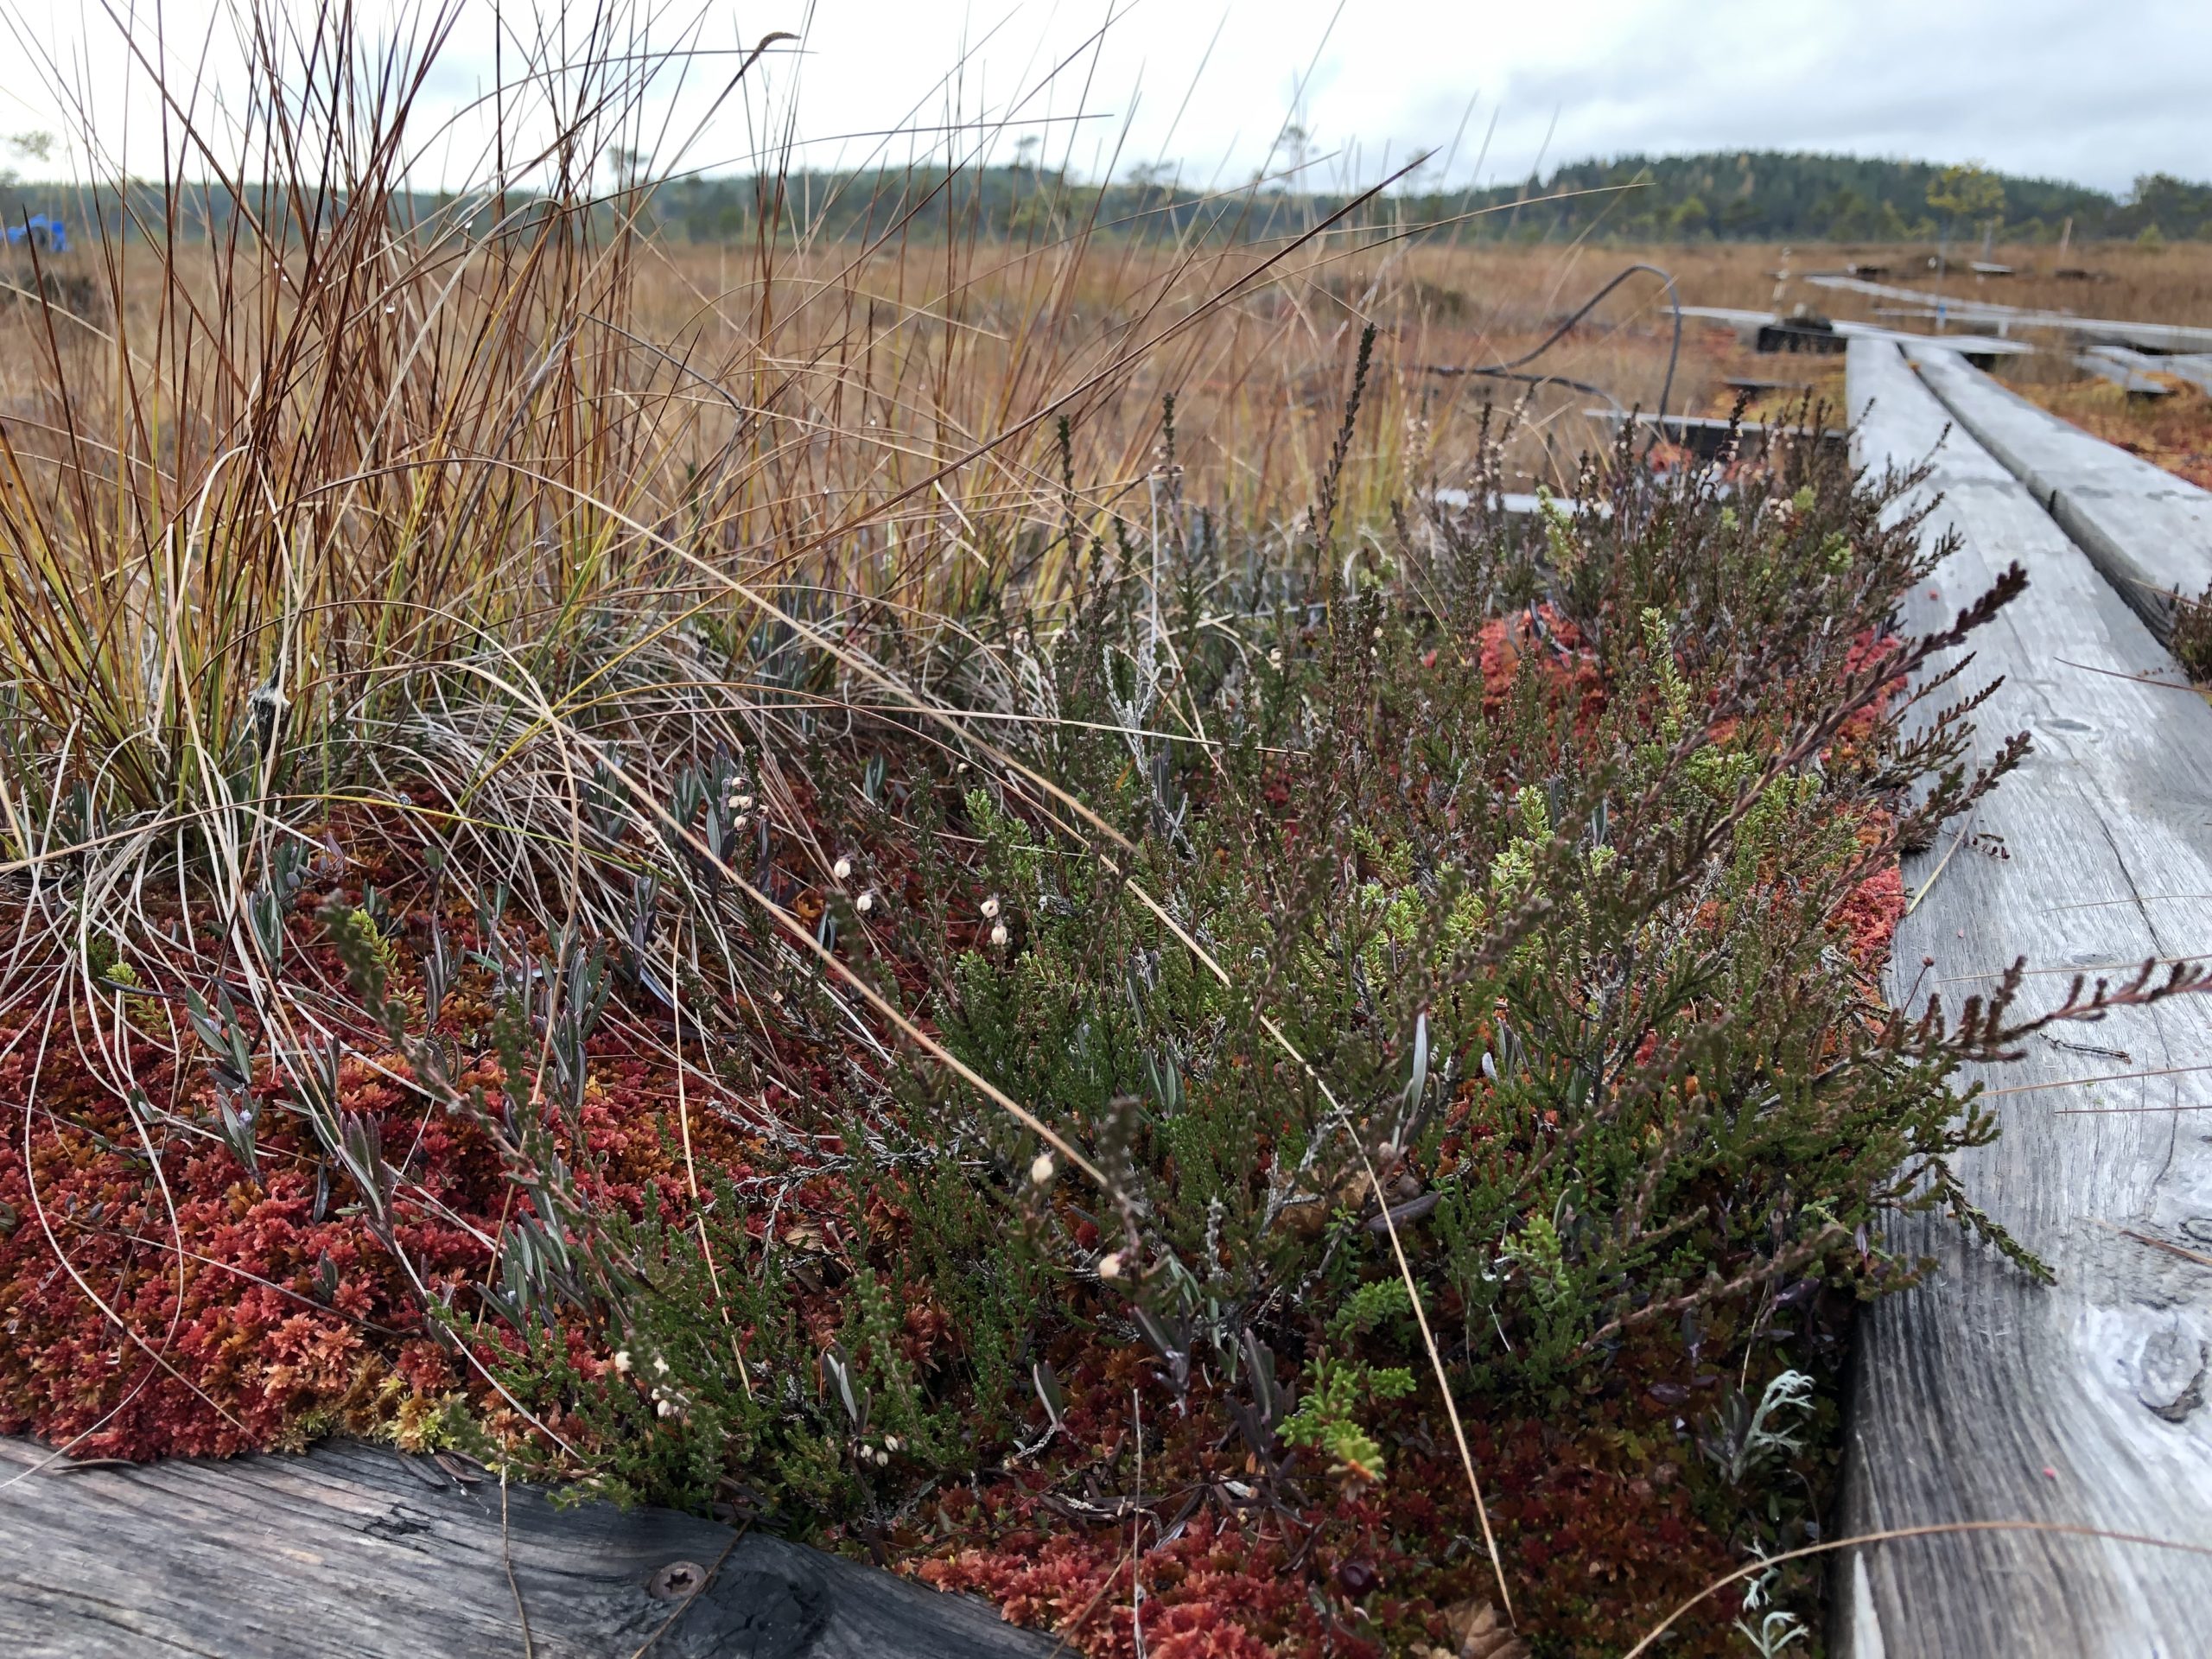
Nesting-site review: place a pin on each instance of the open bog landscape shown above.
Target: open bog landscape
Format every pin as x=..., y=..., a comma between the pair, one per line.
x=916, y=908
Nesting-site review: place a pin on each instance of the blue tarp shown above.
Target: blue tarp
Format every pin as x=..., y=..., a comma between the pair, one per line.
x=38, y=224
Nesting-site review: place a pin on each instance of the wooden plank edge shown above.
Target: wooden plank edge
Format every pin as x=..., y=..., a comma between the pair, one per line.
x=2149, y=598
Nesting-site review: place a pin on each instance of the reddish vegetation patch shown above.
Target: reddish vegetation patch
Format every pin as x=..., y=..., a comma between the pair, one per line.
x=260, y=1307
x=1870, y=915
x=245, y=1309
x=1598, y=1526
x=1551, y=645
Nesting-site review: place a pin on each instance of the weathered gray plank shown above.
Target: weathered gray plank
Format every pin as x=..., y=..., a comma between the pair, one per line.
x=2195, y=369
x=1982, y=1396
x=345, y=1554
x=2151, y=336
x=2125, y=375
x=2147, y=531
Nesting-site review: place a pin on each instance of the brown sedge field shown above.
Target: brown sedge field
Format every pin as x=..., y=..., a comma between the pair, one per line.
x=1279, y=350
x=919, y=894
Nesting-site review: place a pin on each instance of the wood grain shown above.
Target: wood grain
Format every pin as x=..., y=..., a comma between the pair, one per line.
x=353, y=1552
x=2147, y=531
x=1982, y=1395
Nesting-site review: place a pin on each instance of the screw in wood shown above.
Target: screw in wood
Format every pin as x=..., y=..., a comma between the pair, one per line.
x=675, y=1581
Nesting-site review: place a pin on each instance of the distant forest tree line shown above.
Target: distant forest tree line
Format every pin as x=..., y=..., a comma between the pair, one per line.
x=1746, y=196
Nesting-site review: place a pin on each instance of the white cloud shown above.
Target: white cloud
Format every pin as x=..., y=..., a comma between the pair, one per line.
x=2098, y=94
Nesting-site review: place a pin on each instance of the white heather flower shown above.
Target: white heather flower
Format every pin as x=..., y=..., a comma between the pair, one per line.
x=866, y=902
x=1274, y=658
x=1109, y=1265
x=1040, y=1172
x=660, y=1366
x=882, y=1457
x=891, y=1442
x=998, y=933
x=667, y=1408
x=841, y=869
x=622, y=1362
x=990, y=907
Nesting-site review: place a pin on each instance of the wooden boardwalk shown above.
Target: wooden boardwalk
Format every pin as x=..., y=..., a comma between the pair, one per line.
x=353, y=1552
x=1984, y=1395
x=1780, y=333
x=2147, y=531
x=2192, y=368
x=2137, y=385
x=2117, y=331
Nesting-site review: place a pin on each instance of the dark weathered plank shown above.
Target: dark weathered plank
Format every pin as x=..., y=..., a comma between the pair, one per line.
x=2147, y=531
x=1982, y=1395
x=351, y=1553
x=1750, y=326
x=1706, y=436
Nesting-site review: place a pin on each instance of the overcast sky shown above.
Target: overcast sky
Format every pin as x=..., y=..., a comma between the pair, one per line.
x=2097, y=93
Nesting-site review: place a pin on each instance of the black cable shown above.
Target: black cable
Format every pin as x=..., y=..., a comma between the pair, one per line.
x=1504, y=371
x=1535, y=380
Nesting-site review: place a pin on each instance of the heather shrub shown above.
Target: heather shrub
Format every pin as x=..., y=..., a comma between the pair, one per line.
x=1525, y=888
x=2192, y=636
x=1519, y=890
